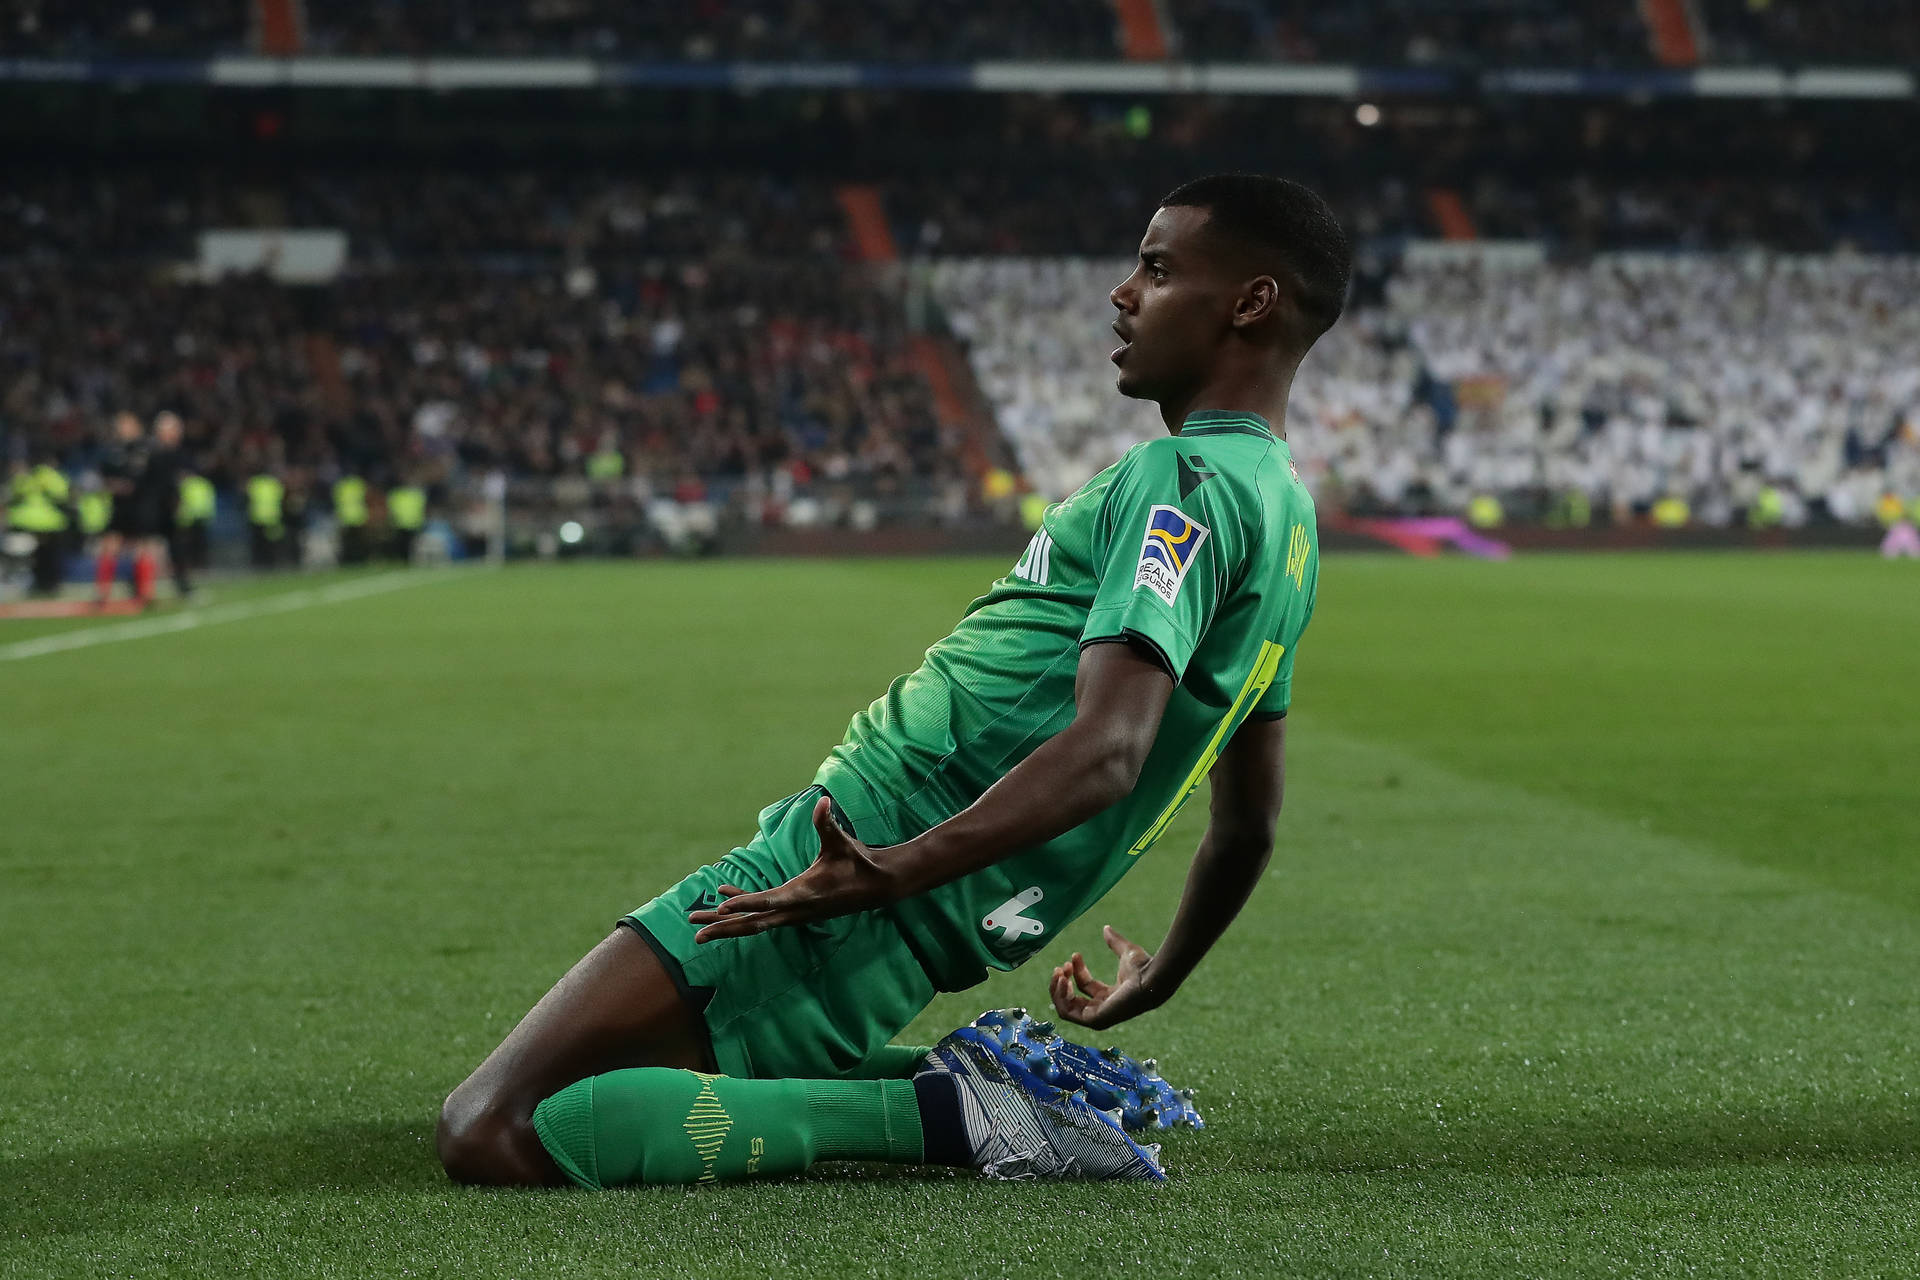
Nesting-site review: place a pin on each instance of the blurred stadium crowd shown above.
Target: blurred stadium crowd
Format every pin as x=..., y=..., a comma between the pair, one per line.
x=1035, y=176
x=1557, y=390
x=862, y=306
x=1461, y=32
x=709, y=370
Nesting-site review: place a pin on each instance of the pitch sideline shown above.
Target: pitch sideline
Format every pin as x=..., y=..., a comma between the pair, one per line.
x=239, y=611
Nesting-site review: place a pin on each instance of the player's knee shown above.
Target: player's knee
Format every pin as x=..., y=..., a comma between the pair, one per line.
x=486, y=1146
x=458, y=1139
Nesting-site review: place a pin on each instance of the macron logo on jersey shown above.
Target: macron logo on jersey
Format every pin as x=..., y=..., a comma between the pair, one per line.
x=1167, y=552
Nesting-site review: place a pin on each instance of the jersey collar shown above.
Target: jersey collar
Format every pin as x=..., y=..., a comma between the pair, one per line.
x=1219, y=422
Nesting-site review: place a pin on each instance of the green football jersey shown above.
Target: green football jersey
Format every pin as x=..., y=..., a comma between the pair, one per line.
x=1200, y=546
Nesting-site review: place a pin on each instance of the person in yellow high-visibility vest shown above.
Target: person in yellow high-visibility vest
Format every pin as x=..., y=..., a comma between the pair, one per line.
x=37, y=503
x=94, y=507
x=266, y=499
x=406, y=515
x=194, y=520
x=351, y=515
x=1573, y=510
x=606, y=464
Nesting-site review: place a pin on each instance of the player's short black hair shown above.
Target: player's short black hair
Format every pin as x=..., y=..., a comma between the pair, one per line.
x=1287, y=228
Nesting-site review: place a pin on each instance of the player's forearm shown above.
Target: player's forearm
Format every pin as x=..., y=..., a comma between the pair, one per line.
x=1225, y=870
x=1068, y=779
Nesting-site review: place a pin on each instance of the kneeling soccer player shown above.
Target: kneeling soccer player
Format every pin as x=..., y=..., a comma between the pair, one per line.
x=739, y=1024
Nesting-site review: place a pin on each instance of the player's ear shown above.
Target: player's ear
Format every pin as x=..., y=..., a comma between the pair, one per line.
x=1259, y=300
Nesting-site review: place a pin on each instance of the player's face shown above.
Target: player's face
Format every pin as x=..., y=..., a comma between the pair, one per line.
x=1174, y=309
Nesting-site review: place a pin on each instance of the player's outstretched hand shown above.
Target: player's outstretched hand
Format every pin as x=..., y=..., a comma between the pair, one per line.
x=845, y=878
x=1080, y=997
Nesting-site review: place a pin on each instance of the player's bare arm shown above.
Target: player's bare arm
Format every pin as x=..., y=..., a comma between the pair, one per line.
x=1247, y=786
x=1120, y=693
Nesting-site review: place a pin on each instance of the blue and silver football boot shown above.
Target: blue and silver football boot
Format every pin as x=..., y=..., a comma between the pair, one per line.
x=1021, y=1127
x=1111, y=1080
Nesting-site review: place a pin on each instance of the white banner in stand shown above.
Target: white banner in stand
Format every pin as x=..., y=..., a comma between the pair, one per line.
x=309, y=255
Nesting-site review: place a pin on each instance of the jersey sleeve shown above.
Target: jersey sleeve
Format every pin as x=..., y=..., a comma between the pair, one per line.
x=1163, y=559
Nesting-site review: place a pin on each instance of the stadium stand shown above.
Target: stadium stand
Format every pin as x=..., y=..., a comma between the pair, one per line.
x=1461, y=33
x=514, y=218
x=874, y=30
x=980, y=214
x=707, y=371
x=1587, y=33
x=878, y=30
x=1810, y=31
x=1586, y=214
x=1627, y=380
x=715, y=332
x=94, y=28
x=1024, y=174
x=573, y=216
x=705, y=290
x=1584, y=177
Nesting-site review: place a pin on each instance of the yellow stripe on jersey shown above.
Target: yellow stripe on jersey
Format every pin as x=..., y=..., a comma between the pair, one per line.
x=1265, y=667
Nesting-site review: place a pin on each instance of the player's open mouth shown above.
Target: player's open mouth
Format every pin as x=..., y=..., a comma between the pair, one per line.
x=1119, y=352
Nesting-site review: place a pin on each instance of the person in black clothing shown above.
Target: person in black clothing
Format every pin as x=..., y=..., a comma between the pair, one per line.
x=165, y=466
x=143, y=477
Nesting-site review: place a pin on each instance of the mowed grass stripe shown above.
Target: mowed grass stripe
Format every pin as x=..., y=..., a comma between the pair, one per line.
x=1469, y=1025
x=1765, y=704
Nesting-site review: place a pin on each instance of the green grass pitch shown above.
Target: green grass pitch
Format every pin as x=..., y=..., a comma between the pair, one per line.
x=1591, y=946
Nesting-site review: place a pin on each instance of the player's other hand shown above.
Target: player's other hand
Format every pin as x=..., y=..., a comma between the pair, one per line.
x=1080, y=997
x=845, y=878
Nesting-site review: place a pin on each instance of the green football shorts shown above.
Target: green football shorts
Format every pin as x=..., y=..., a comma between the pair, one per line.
x=807, y=1001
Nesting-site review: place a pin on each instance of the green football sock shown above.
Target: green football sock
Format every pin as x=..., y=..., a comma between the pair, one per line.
x=657, y=1126
x=891, y=1062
